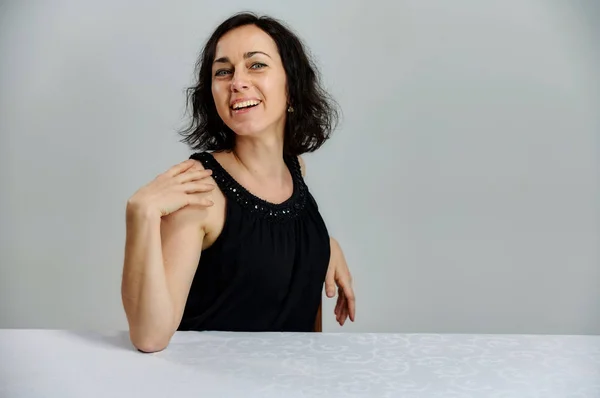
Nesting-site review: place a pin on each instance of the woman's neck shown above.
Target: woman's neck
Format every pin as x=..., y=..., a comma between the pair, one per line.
x=263, y=159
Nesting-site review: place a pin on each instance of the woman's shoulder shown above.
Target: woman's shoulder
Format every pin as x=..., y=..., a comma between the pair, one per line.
x=209, y=219
x=302, y=166
x=213, y=220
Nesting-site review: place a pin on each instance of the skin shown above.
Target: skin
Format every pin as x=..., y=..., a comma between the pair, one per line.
x=172, y=219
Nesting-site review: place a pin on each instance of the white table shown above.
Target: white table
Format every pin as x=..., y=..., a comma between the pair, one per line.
x=54, y=363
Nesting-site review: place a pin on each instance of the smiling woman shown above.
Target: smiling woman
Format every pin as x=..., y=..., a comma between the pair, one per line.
x=247, y=49
x=232, y=239
x=248, y=111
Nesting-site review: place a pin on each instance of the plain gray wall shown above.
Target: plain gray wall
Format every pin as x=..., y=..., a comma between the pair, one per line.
x=463, y=182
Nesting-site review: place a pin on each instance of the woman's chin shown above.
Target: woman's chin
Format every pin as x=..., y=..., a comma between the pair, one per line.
x=248, y=130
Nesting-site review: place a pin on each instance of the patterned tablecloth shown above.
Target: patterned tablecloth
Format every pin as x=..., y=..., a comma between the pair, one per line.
x=55, y=363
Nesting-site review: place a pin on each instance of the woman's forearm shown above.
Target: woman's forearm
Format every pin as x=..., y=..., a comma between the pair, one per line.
x=144, y=288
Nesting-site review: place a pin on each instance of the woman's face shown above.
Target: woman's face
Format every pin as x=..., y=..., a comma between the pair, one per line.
x=249, y=84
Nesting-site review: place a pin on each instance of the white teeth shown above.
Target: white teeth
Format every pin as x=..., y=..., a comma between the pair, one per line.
x=244, y=104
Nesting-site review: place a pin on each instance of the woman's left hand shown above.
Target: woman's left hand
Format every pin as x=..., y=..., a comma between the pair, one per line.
x=338, y=275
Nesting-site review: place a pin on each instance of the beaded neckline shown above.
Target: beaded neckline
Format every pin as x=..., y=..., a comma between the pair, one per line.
x=290, y=208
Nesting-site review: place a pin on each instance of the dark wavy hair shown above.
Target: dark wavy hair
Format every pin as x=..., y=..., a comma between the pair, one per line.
x=315, y=114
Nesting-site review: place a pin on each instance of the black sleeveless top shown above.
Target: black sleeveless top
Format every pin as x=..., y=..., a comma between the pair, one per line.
x=265, y=271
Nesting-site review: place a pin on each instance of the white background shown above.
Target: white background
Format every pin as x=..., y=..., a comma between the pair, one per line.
x=463, y=182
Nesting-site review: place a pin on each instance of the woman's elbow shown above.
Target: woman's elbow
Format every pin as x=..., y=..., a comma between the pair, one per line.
x=149, y=344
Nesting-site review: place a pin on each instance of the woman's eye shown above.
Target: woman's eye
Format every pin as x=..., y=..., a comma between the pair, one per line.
x=221, y=72
x=257, y=65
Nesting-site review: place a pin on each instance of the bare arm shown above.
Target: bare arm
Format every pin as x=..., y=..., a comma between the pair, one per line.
x=338, y=275
x=160, y=262
x=161, y=256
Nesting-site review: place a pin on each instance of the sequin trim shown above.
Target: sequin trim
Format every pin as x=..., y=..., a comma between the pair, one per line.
x=287, y=210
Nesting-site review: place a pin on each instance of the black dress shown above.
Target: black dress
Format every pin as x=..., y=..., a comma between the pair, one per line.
x=265, y=272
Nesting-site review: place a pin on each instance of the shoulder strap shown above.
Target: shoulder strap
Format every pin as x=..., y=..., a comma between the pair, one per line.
x=219, y=174
x=202, y=157
x=295, y=168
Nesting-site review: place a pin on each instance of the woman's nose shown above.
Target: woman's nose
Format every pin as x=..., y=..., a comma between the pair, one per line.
x=239, y=82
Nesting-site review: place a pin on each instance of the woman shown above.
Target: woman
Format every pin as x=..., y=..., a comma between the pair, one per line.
x=232, y=239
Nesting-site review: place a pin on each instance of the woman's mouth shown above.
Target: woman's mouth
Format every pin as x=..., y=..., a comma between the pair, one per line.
x=244, y=106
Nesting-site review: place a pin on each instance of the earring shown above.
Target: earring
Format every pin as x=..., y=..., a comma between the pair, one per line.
x=290, y=109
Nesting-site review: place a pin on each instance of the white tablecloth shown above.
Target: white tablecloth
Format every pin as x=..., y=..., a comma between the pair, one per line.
x=50, y=363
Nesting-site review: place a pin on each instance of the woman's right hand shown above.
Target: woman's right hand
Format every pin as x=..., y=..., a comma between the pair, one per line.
x=184, y=184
